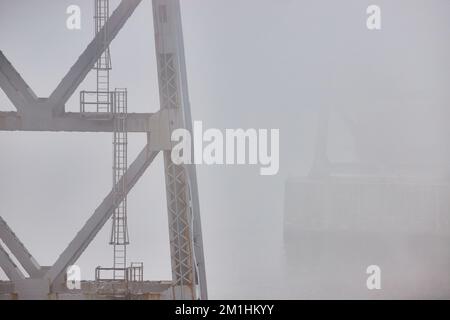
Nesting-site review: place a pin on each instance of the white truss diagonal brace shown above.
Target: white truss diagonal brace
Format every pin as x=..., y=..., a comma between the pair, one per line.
x=19, y=250
x=101, y=215
x=89, y=57
x=9, y=267
x=15, y=88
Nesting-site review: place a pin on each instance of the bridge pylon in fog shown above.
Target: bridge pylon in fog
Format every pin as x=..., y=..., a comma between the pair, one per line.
x=48, y=114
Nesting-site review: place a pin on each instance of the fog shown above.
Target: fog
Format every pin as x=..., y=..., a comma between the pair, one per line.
x=380, y=96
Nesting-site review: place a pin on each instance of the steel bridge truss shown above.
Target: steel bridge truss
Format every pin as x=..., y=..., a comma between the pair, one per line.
x=48, y=114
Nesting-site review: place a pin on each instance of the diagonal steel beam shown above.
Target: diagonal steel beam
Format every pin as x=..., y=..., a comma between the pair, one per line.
x=101, y=215
x=14, y=86
x=9, y=267
x=87, y=60
x=19, y=250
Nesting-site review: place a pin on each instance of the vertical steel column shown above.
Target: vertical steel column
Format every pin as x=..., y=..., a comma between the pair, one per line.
x=186, y=244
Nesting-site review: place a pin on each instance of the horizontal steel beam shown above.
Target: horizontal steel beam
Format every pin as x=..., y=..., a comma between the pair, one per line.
x=77, y=122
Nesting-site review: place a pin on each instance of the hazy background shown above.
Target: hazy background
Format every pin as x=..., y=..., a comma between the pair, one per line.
x=251, y=64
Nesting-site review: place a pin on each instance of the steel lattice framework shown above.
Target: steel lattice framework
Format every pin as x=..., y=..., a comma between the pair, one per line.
x=48, y=114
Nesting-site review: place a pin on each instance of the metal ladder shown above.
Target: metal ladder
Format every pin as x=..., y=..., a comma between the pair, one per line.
x=103, y=64
x=111, y=106
x=119, y=231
